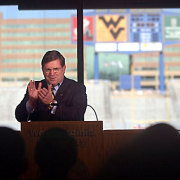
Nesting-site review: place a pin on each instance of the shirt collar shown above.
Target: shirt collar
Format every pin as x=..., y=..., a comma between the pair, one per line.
x=58, y=85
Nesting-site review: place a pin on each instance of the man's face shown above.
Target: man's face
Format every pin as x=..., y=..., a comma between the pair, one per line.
x=53, y=72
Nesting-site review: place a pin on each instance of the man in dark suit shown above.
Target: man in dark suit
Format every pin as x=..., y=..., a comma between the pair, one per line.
x=55, y=97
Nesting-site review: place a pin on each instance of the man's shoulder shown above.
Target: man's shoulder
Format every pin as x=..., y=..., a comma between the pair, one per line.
x=72, y=82
x=67, y=80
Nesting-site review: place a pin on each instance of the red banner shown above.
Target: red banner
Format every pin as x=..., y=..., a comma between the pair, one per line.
x=88, y=28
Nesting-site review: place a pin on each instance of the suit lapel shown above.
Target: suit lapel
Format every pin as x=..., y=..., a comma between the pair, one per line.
x=61, y=90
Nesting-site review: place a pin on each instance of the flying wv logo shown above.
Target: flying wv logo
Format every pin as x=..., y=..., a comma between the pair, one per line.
x=114, y=23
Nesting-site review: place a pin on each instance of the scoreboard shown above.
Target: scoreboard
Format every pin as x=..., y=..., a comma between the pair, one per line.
x=125, y=32
x=145, y=27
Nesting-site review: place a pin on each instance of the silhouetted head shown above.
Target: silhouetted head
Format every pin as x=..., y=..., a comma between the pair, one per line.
x=12, y=154
x=153, y=154
x=55, y=153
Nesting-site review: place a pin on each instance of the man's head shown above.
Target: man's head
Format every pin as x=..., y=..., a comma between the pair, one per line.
x=53, y=67
x=55, y=153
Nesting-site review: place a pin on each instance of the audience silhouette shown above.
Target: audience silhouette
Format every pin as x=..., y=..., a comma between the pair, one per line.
x=12, y=154
x=55, y=154
x=153, y=154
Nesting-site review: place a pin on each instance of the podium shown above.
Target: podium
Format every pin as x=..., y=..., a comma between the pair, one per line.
x=89, y=137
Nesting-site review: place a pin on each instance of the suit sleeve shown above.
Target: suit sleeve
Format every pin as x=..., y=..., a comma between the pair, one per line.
x=74, y=106
x=21, y=113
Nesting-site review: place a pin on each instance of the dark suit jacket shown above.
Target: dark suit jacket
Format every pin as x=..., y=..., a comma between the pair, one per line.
x=72, y=102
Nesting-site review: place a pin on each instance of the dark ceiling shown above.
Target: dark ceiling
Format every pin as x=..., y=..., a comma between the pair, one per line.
x=91, y=4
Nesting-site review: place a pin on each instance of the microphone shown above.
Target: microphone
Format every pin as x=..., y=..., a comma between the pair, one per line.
x=94, y=111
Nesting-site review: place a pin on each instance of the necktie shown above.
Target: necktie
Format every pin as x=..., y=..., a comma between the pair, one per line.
x=53, y=91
